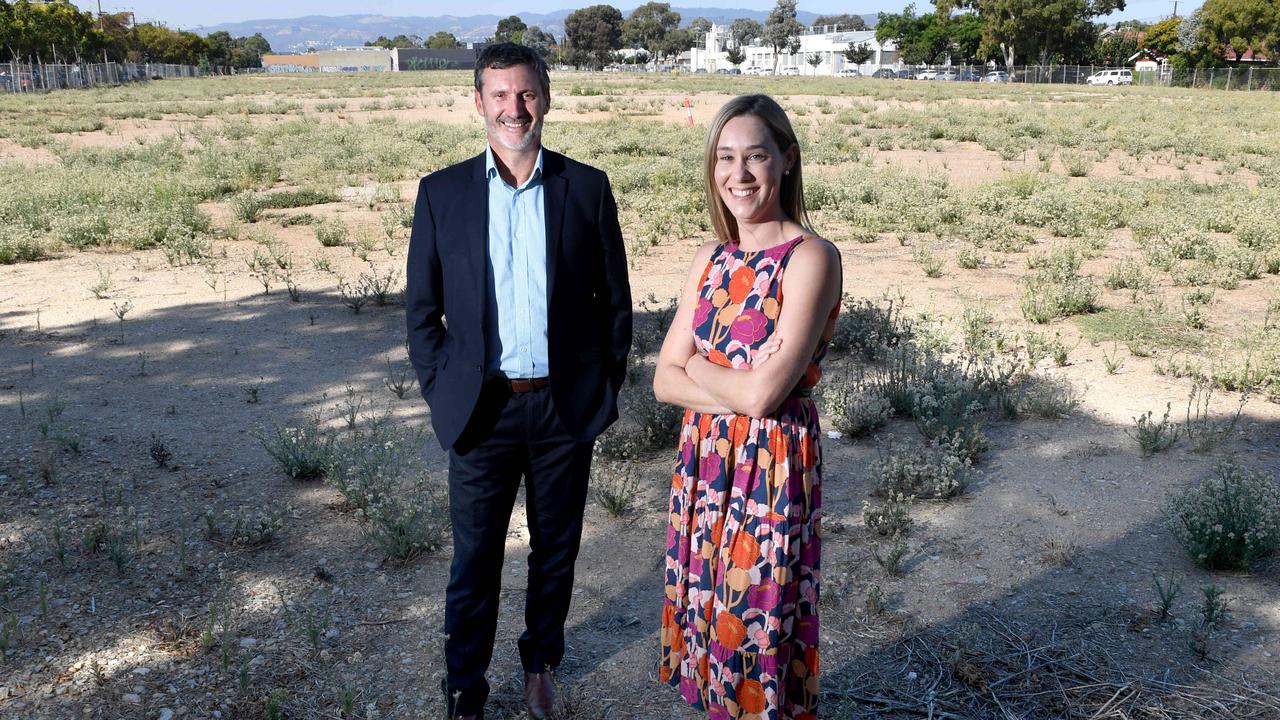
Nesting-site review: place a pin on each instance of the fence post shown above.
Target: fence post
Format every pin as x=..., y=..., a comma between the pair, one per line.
x=1250, y=83
x=1229, y=78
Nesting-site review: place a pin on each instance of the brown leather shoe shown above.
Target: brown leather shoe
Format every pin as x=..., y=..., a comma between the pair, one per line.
x=539, y=695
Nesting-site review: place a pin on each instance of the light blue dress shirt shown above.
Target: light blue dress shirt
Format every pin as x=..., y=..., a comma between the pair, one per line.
x=516, y=325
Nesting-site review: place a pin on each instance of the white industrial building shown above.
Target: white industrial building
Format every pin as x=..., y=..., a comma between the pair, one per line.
x=829, y=42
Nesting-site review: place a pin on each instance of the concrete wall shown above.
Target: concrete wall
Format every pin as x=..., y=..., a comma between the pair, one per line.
x=427, y=59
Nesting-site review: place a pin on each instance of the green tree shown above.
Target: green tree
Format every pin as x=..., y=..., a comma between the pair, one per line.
x=782, y=30
x=1045, y=30
x=814, y=60
x=966, y=38
x=443, y=41
x=510, y=29
x=858, y=53
x=1162, y=38
x=920, y=38
x=1242, y=25
x=48, y=31
x=674, y=43
x=844, y=21
x=735, y=56
x=744, y=30
x=593, y=33
x=700, y=26
x=1116, y=48
x=649, y=26
x=538, y=41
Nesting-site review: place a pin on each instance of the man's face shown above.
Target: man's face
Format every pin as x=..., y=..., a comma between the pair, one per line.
x=512, y=104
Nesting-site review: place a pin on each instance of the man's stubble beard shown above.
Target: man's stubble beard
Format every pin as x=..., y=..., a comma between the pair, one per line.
x=534, y=136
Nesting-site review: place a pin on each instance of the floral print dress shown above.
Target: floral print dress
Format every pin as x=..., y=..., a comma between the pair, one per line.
x=740, y=618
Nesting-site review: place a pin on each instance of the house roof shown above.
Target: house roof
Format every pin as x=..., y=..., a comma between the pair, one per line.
x=1249, y=55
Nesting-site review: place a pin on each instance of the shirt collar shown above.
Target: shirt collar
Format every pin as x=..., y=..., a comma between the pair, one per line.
x=491, y=168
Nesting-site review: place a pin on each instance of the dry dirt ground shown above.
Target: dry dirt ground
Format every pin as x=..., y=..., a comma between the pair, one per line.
x=1046, y=563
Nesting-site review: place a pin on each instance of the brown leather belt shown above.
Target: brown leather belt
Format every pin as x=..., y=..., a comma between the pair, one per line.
x=524, y=385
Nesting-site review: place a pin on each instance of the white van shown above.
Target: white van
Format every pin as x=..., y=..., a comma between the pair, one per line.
x=1110, y=77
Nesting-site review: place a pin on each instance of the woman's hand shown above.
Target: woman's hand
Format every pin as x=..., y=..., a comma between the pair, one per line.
x=765, y=351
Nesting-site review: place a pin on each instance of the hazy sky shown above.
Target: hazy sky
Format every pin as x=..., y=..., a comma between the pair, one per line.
x=189, y=15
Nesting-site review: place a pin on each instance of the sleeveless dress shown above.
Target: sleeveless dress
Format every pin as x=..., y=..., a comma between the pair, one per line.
x=740, y=619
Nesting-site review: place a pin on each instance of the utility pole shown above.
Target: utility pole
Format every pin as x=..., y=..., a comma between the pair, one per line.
x=1175, y=8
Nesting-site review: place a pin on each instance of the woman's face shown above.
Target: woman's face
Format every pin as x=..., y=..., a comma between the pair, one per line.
x=749, y=168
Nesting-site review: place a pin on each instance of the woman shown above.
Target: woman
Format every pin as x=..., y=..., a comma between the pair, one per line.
x=740, y=619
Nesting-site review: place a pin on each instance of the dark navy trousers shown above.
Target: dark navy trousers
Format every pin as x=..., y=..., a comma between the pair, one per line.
x=509, y=438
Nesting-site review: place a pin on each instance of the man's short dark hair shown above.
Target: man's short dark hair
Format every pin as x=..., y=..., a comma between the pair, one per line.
x=505, y=55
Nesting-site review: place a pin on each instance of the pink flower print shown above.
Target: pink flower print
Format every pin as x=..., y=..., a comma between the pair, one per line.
x=711, y=466
x=701, y=312
x=764, y=595
x=749, y=327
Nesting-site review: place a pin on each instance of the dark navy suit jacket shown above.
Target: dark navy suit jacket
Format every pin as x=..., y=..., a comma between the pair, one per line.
x=449, y=290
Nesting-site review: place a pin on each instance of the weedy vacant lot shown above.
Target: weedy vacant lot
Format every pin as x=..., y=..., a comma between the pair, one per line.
x=1051, y=482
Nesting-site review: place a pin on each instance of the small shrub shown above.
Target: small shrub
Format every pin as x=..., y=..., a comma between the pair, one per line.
x=246, y=207
x=657, y=424
x=1228, y=521
x=1048, y=397
x=892, y=520
x=931, y=261
x=304, y=453
x=1129, y=274
x=244, y=528
x=855, y=408
x=367, y=465
x=867, y=328
x=1155, y=436
x=1202, y=429
x=891, y=561
x=614, y=486
x=404, y=528
x=1167, y=591
x=969, y=258
x=159, y=452
x=331, y=233
x=926, y=473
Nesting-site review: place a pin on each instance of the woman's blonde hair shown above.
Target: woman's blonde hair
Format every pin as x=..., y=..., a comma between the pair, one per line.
x=775, y=118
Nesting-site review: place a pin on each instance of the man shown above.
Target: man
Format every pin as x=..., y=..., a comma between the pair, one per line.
x=519, y=319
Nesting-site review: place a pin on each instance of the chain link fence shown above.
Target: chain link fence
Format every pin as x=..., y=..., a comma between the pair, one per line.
x=19, y=77
x=1227, y=78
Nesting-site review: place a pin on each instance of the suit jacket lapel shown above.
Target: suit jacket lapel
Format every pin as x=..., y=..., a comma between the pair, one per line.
x=476, y=215
x=555, y=189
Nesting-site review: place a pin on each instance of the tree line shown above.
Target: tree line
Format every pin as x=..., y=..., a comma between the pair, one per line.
x=1065, y=32
x=58, y=32
x=1010, y=32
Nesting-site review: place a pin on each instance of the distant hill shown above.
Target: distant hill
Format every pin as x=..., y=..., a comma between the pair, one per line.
x=322, y=31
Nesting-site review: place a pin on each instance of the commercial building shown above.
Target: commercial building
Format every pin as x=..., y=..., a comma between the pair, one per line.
x=828, y=43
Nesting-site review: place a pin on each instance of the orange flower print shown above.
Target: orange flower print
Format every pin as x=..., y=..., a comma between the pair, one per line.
x=730, y=632
x=746, y=550
x=741, y=283
x=719, y=358
x=751, y=696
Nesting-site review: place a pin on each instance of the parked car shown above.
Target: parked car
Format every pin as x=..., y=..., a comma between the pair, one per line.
x=947, y=75
x=969, y=76
x=885, y=74
x=789, y=70
x=756, y=70
x=996, y=76
x=906, y=74
x=926, y=74
x=1110, y=77
x=849, y=72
